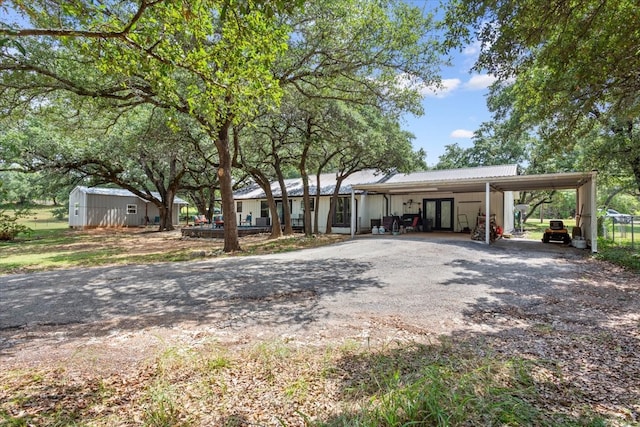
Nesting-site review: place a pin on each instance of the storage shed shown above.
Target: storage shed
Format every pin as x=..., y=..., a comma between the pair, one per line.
x=91, y=207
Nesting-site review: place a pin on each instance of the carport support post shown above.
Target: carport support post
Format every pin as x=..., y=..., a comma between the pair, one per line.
x=594, y=218
x=353, y=212
x=487, y=225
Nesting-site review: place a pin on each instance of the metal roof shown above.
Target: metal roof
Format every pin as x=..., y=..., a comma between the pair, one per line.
x=556, y=181
x=456, y=174
x=328, y=183
x=121, y=192
x=465, y=180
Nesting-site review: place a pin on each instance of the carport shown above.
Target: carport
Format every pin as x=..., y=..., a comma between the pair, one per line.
x=584, y=183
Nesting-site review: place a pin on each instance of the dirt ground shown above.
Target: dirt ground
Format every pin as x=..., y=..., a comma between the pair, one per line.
x=585, y=321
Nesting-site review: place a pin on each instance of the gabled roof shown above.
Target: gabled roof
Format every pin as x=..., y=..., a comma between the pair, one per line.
x=328, y=183
x=464, y=180
x=456, y=174
x=121, y=192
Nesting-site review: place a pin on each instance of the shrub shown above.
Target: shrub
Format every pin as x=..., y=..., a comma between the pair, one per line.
x=9, y=227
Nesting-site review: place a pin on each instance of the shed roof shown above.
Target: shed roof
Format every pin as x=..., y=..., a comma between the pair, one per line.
x=328, y=182
x=121, y=192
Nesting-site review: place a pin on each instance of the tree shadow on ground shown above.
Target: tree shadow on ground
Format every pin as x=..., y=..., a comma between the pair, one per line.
x=572, y=322
x=227, y=293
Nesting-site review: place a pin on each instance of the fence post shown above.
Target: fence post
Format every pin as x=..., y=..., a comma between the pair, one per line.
x=613, y=230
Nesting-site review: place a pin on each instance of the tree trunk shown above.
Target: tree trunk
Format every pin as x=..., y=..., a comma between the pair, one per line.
x=165, y=219
x=635, y=166
x=306, y=200
x=231, y=242
x=265, y=184
x=332, y=209
x=333, y=203
x=316, y=218
x=334, y=200
x=288, y=230
x=276, y=227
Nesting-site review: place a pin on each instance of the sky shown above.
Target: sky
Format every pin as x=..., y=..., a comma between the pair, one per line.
x=452, y=114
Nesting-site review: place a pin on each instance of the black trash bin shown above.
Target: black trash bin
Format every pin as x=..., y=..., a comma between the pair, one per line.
x=428, y=224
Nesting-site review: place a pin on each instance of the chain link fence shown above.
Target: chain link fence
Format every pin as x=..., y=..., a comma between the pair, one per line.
x=620, y=231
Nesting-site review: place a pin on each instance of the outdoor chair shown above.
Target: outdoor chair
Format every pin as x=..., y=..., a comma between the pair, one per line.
x=200, y=220
x=414, y=224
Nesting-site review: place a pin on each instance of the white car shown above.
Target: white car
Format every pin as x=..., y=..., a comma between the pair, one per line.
x=618, y=217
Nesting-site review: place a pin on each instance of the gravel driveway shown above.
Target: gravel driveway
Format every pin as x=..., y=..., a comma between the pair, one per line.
x=422, y=286
x=520, y=299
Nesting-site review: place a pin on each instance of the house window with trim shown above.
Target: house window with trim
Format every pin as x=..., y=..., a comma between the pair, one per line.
x=312, y=203
x=264, y=209
x=342, y=214
x=238, y=207
x=76, y=209
x=132, y=209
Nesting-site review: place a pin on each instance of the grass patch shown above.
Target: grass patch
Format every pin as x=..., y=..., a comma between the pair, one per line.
x=535, y=229
x=285, y=384
x=623, y=256
x=65, y=248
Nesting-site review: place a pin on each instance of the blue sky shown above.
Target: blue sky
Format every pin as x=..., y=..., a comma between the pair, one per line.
x=453, y=113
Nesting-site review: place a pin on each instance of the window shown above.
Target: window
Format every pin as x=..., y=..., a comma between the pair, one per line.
x=342, y=214
x=132, y=209
x=312, y=203
x=238, y=207
x=264, y=209
x=76, y=209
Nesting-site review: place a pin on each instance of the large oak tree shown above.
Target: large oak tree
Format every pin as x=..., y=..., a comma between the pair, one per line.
x=573, y=66
x=207, y=59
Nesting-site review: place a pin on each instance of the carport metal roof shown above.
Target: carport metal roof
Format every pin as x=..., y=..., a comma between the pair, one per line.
x=486, y=184
x=557, y=181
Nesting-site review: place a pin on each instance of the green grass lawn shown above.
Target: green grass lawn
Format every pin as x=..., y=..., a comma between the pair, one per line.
x=41, y=220
x=534, y=228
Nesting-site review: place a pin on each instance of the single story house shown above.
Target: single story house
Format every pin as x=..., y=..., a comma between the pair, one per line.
x=445, y=200
x=114, y=207
x=252, y=201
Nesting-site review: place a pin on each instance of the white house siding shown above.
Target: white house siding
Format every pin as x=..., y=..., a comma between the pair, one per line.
x=464, y=204
x=508, y=221
x=297, y=212
x=376, y=206
x=586, y=196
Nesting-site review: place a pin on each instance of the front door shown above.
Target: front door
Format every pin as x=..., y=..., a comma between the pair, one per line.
x=280, y=209
x=438, y=214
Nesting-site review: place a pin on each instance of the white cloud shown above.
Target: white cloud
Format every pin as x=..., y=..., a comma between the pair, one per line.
x=462, y=134
x=480, y=81
x=443, y=89
x=472, y=49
